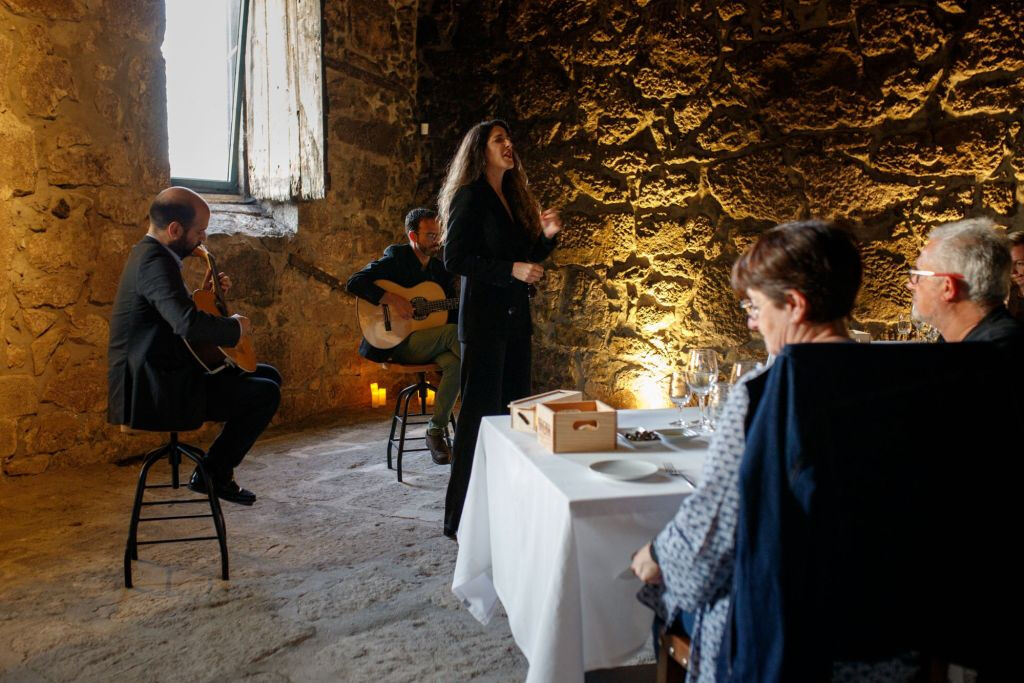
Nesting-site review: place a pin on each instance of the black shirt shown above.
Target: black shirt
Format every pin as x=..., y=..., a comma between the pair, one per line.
x=998, y=326
x=401, y=266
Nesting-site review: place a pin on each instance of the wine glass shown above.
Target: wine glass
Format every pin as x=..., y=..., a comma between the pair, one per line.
x=680, y=394
x=740, y=368
x=904, y=327
x=701, y=375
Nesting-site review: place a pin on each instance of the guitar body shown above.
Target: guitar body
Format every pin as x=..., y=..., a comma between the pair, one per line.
x=213, y=357
x=383, y=328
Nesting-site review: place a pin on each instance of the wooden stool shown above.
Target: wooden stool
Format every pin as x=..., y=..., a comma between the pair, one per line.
x=173, y=450
x=400, y=419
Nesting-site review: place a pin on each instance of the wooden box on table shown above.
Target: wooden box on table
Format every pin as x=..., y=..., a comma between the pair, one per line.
x=575, y=426
x=524, y=410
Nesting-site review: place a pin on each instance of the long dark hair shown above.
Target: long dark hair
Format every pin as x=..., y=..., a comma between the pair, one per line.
x=470, y=162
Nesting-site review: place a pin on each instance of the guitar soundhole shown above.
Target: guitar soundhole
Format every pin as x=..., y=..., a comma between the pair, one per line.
x=419, y=305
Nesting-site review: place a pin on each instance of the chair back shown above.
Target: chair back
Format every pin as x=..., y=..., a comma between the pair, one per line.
x=875, y=499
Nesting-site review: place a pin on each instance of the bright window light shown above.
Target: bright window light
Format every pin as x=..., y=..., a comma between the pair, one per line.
x=200, y=54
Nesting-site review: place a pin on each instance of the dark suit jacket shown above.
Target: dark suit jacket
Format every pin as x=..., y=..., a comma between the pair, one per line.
x=482, y=244
x=400, y=265
x=153, y=382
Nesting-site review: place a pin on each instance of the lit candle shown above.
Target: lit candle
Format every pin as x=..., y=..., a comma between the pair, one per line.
x=383, y=396
x=373, y=395
x=430, y=397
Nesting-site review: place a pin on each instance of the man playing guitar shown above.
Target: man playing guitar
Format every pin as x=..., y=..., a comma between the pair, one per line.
x=153, y=380
x=408, y=265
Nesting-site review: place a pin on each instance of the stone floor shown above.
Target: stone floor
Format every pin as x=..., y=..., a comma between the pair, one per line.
x=338, y=573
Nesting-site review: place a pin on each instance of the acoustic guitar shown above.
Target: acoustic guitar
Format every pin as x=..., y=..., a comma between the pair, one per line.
x=384, y=329
x=211, y=357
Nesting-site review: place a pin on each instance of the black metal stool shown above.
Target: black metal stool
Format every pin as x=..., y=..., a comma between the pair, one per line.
x=173, y=450
x=400, y=420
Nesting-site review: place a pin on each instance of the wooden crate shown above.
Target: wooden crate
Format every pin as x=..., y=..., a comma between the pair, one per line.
x=523, y=410
x=573, y=427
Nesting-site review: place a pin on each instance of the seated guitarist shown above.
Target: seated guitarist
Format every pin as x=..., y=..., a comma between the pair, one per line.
x=153, y=381
x=407, y=266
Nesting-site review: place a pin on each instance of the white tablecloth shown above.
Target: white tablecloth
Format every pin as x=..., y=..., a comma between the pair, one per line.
x=549, y=538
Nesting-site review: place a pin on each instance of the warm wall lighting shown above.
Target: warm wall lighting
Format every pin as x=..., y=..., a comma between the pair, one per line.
x=430, y=397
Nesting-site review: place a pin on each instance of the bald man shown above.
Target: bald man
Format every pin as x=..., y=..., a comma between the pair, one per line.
x=153, y=381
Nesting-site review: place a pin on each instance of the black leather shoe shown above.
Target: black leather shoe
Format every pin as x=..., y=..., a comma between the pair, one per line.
x=229, y=491
x=233, y=493
x=439, y=451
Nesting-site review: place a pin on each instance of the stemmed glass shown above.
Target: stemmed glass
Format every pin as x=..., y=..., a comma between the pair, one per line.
x=680, y=394
x=740, y=368
x=701, y=375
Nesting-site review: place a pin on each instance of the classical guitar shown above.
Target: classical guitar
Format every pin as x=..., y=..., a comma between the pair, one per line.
x=211, y=357
x=384, y=329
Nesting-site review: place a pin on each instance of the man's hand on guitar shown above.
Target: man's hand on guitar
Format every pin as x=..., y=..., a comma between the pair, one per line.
x=225, y=281
x=244, y=322
x=527, y=272
x=399, y=305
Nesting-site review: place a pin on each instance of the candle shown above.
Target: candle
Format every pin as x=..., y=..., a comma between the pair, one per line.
x=430, y=397
x=373, y=395
x=382, y=396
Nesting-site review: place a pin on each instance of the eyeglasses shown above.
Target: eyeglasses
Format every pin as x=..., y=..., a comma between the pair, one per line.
x=913, y=275
x=750, y=308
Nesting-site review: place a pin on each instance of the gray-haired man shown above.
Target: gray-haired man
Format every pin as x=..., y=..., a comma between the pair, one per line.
x=960, y=281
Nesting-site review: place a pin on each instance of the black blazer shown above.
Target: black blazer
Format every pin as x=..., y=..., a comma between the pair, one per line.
x=400, y=265
x=482, y=244
x=153, y=382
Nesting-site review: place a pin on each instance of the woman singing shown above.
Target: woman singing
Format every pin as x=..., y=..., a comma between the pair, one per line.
x=494, y=237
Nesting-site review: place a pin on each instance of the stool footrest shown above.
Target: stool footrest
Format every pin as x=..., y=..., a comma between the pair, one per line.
x=175, y=502
x=154, y=519
x=178, y=540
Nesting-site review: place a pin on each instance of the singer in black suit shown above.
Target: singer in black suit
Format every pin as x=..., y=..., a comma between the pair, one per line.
x=494, y=236
x=153, y=381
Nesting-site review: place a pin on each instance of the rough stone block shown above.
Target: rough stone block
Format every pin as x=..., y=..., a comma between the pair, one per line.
x=972, y=147
x=79, y=388
x=46, y=81
x=8, y=437
x=664, y=192
x=17, y=156
x=63, y=10
x=888, y=29
x=18, y=395
x=973, y=97
x=38, y=320
x=997, y=43
x=26, y=464
x=836, y=187
x=755, y=185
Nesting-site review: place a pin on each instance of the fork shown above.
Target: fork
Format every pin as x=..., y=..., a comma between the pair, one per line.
x=673, y=471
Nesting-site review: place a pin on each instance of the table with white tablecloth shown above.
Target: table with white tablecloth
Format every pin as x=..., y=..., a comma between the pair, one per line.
x=551, y=539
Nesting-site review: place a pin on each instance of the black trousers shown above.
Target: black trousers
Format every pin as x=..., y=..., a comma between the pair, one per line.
x=494, y=373
x=245, y=403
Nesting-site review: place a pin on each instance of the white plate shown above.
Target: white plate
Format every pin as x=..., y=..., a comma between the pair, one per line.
x=670, y=434
x=624, y=470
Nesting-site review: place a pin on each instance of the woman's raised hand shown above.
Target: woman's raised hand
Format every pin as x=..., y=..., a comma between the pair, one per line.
x=550, y=222
x=527, y=272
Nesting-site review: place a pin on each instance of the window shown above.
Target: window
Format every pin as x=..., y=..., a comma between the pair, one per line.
x=203, y=50
x=244, y=97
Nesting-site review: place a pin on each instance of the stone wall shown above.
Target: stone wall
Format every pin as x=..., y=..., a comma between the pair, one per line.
x=671, y=133
x=83, y=149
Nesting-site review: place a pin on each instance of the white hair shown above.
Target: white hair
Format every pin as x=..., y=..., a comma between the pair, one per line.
x=979, y=251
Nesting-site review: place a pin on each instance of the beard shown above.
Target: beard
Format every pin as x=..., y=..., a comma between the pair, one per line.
x=181, y=247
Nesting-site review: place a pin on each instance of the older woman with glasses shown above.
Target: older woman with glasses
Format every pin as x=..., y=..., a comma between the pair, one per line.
x=797, y=284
